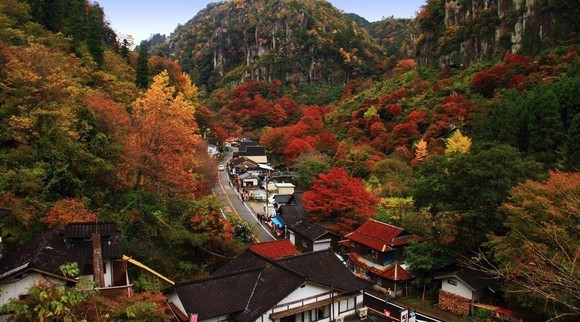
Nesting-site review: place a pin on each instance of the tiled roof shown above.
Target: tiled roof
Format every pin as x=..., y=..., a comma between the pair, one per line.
x=310, y=231
x=245, y=144
x=247, y=292
x=242, y=160
x=323, y=267
x=46, y=252
x=393, y=272
x=290, y=214
x=86, y=230
x=281, y=199
x=473, y=279
x=380, y=236
x=52, y=249
x=296, y=199
x=245, y=260
x=274, y=249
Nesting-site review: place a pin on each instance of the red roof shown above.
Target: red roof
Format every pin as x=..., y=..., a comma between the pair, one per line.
x=380, y=236
x=393, y=272
x=274, y=249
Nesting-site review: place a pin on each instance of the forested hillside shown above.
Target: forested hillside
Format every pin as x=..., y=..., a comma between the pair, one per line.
x=302, y=42
x=80, y=139
x=442, y=143
x=461, y=126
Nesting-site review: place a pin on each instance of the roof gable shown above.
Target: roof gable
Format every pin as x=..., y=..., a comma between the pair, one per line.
x=246, y=294
x=54, y=248
x=250, y=292
x=323, y=267
x=310, y=231
x=474, y=280
x=380, y=236
x=275, y=249
x=290, y=214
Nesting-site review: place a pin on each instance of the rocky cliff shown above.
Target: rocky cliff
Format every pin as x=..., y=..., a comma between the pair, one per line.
x=300, y=42
x=460, y=32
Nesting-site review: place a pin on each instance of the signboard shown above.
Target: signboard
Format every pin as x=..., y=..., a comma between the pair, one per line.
x=408, y=316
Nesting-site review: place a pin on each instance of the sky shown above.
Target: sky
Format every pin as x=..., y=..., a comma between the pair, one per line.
x=141, y=19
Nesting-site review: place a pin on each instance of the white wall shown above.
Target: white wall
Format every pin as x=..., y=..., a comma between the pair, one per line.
x=321, y=244
x=12, y=289
x=459, y=289
x=292, y=237
x=258, y=158
x=309, y=290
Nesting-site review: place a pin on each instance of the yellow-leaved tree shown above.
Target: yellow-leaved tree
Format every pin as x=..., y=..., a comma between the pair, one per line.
x=160, y=154
x=458, y=142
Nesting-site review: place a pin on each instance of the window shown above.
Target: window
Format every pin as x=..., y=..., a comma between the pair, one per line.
x=372, y=254
x=452, y=282
x=350, y=305
x=320, y=313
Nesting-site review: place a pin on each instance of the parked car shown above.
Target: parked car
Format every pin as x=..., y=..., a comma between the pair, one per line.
x=221, y=167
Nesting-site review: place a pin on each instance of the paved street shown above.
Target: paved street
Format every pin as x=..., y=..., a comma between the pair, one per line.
x=233, y=206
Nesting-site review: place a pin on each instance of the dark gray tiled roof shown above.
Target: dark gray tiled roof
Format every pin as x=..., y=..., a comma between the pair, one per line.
x=310, y=231
x=282, y=199
x=251, y=284
x=52, y=249
x=290, y=214
x=323, y=267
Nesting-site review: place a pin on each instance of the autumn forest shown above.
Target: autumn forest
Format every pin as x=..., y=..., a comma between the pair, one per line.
x=447, y=125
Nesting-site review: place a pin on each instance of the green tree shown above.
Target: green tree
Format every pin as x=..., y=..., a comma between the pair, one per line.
x=124, y=50
x=537, y=256
x=391, y=177
x=95, y=31
x=308, y=167
x=471, y=186
x=504, y=121
x=424, y=259
x=545, y=127
x=142, y=78
x=571, y=155
x=76, y=23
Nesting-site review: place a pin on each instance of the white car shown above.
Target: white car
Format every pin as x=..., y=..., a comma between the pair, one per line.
x=221, y=167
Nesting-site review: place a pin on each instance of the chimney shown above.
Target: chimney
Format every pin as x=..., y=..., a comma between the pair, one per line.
x=98, y=275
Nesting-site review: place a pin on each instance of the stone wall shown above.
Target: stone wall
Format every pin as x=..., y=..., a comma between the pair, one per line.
x=453, y=303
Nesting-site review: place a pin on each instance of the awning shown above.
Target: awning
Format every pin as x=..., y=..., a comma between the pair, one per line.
x=277, y=222
x=267, y=167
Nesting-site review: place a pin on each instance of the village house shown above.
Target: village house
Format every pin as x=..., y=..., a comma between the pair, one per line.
x=252, y=151
x=376, y=253
x=40, y=258
x=309, y=237
x=272, y=285
x=463, y=288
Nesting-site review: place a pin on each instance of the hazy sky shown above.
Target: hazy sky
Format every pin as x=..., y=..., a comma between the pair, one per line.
x=142, y=19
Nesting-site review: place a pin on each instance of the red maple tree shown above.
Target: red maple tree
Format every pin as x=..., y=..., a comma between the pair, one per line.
x=341, y=199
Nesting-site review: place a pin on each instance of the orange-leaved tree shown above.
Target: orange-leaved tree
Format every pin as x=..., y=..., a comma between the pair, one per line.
x=66, y=211
x=160, y=155
x=341, y=199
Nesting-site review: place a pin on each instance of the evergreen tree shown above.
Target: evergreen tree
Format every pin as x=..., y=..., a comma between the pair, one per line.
x=546, y=131
x=571, y=153
x=124, y=51
x=142, y=78
x=76, y=23
x=95, y=33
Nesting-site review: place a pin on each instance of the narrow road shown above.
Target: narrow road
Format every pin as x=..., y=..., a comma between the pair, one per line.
x=389, y=311
x=233, y=206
